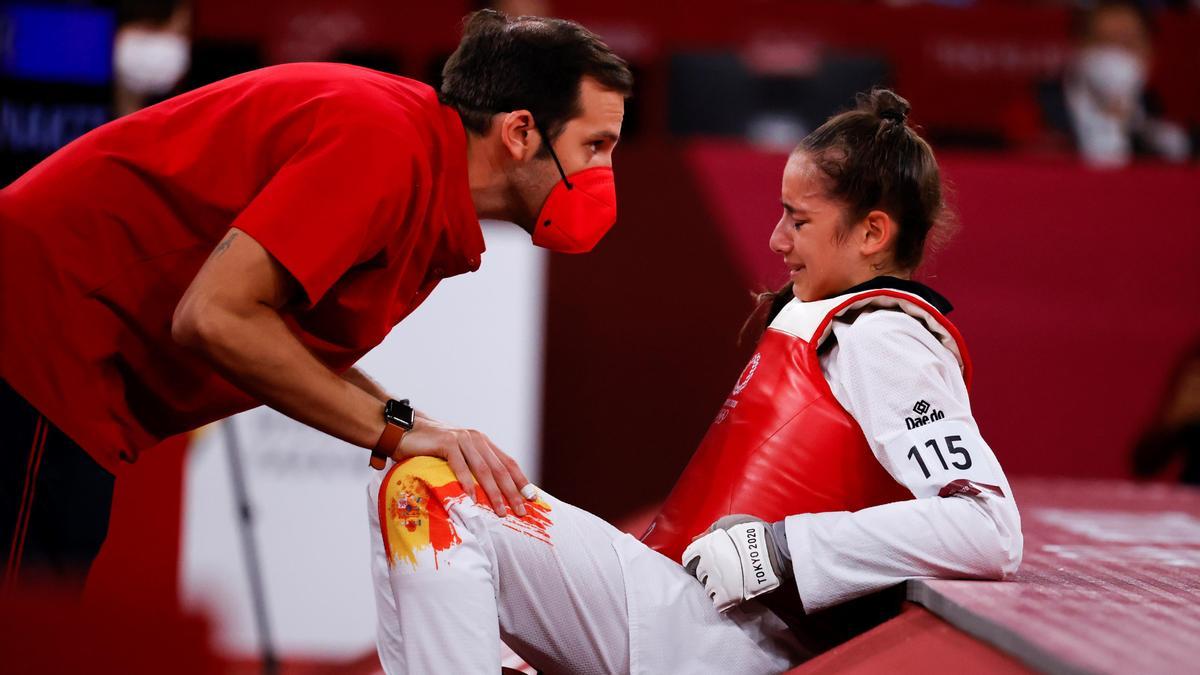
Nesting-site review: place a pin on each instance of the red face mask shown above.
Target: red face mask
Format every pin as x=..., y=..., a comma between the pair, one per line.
x=579, y=211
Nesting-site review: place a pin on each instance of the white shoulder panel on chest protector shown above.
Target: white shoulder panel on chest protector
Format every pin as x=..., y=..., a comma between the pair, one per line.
x=813, y=321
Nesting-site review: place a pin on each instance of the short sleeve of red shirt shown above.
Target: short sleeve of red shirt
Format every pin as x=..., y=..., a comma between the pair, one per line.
x=334, y=203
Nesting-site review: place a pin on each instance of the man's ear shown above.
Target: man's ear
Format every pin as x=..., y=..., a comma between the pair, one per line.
x=518, y=134
x=879, y=234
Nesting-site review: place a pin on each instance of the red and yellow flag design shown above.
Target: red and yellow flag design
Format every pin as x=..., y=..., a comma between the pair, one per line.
x=414, y=504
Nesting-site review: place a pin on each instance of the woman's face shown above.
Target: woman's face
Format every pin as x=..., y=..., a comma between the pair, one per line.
x=821, y=253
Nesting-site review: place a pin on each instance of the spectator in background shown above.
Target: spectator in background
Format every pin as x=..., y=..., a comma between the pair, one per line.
x=1101, y=103
x=151, y=52
x=1175, y=433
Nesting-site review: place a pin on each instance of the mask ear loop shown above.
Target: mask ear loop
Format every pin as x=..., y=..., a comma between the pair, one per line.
x=553, y=155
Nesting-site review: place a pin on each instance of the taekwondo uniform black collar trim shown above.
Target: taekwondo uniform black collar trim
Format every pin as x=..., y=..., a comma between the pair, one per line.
x=918, y=289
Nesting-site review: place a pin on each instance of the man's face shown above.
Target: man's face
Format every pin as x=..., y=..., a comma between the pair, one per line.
x=588, y=140
x=1120, y=27
x=1115, y=60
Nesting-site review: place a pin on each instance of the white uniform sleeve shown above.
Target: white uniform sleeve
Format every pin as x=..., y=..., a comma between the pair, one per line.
x=907, y=393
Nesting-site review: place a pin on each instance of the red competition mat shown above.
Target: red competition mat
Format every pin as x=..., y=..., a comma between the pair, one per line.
x=1110, y=581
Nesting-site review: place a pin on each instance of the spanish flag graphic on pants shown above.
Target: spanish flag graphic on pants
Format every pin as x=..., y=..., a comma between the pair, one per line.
x=414, y=511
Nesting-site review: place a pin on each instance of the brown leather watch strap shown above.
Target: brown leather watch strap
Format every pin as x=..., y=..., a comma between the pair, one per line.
x=378, y=461
x=388, y=441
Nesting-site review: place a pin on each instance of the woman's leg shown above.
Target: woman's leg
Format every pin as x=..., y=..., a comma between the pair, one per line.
x=564, y=589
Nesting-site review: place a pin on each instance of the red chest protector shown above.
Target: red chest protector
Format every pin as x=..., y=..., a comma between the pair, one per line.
x=781, y=443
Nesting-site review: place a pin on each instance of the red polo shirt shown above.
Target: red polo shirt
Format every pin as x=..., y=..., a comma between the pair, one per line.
x=354, y=180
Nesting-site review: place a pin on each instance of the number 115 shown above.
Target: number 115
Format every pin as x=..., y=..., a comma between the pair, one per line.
x=932, y=444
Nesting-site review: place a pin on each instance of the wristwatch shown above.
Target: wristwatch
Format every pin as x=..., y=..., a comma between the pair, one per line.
x=398, y=417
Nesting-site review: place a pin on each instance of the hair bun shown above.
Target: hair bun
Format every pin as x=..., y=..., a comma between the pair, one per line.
x=886, y=105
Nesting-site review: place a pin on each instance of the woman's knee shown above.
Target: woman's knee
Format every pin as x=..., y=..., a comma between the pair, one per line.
x=414, y=511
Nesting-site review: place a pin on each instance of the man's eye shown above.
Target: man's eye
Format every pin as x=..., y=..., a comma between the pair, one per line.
x=595, y=145
x=798, y=223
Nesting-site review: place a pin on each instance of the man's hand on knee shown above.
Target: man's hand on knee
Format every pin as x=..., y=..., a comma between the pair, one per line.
x=737, y=559
x=472, y=456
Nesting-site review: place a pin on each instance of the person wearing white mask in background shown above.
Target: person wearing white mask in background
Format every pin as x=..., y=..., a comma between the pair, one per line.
x=151, y=53
x=1104, y=91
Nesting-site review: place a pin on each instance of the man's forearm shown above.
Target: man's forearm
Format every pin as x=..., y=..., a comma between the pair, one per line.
x=256, y=351
x=363, y=381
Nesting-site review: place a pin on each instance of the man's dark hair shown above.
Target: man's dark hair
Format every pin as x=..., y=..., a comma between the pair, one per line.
x=531, y=63
x=152, y=11
x=1083, y=17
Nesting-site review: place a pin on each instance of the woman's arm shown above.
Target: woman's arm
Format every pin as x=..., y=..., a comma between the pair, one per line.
x=907, y=393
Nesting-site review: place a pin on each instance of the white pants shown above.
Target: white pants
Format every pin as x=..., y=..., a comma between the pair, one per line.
x=564, y=589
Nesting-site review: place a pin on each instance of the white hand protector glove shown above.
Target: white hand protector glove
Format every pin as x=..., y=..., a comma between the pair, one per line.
x=738, y=559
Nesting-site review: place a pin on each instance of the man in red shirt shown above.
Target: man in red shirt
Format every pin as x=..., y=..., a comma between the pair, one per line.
x=247, y=242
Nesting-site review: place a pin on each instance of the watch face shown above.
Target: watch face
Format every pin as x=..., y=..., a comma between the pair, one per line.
x=400, y=413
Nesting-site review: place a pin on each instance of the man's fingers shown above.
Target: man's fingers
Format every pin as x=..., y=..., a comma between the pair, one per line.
x=475, y=461
x=483, y=473
x=504, y=478
x=513, y=469
x=458, y=465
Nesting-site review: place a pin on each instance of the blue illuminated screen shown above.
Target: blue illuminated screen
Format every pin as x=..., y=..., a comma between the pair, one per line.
x=47, y=43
